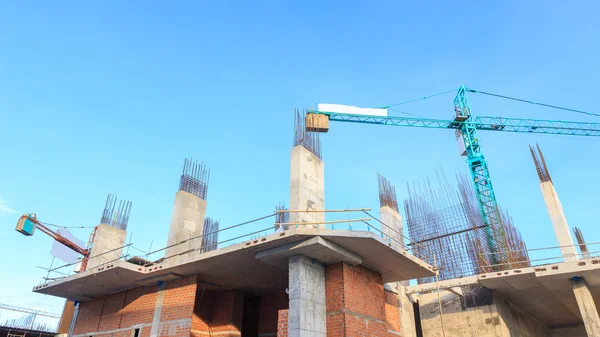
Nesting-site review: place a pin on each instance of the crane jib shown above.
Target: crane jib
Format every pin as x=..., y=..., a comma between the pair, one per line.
x=480, y=122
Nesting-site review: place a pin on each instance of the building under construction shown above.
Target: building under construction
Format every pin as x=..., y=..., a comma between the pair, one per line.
x=310, y=273
x=446, y=223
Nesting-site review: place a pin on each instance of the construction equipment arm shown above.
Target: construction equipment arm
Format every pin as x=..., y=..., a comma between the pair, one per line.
x=56, y=236
x=480, y=122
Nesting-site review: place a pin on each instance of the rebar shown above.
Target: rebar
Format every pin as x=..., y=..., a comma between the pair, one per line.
x=281, y=217
x=116, y=216
x=585, y=253
x=540, y=163
x=387, y=193
x=194, y=178
x=448, y=224
x=211, y=234
x=310, y=140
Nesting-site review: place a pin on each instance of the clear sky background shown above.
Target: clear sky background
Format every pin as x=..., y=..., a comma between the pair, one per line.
x=110, y=97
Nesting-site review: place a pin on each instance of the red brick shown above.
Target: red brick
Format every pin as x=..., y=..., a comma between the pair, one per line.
x=270, y=305
x=282, y=323
x=355, y=302
x=392, y=312
x=66, y=317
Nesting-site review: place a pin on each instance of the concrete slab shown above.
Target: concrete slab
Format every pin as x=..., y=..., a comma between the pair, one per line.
x=545, y=292
x=316, y=248
x=236, y=266
x=522, y=288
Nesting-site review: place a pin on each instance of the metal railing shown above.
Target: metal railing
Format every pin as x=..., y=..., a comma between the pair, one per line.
x=260, y=227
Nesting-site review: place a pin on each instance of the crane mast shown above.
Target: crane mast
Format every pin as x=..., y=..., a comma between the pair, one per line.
x=467, y=127
x=480, y=174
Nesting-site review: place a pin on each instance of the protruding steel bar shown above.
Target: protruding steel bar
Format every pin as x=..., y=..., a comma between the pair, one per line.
x=194, y=178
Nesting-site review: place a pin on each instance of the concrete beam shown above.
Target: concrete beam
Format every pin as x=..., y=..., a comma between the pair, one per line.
x=587, y=307
x=446, y=284
x=316, y=248
x=456, y=291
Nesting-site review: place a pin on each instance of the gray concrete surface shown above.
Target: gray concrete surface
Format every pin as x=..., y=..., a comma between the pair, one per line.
x=237, y=266
x=158, y=310
x=307, y=186
x=587, y=307
x=500, y=319
x=393, y=220
x=405, y=308
x=559, y=221
x=316, y=248
x=187, y=221
x=105, y=246
x=307, y=312
x=568, y=331
x=544, y=292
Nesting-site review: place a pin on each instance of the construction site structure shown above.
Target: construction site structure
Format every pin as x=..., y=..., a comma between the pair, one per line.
x=466, y=127
x=302, y=279
x=108, y=238
x=305, y=279
x=388, y=211
x=555, y=209
x=307, y=182
x=189, y=211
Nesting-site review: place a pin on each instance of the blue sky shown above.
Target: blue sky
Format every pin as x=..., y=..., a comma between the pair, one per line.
x=110, y=97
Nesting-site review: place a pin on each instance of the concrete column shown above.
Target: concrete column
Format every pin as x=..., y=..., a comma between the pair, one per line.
x=307, y=186
x=393, y=220
x=158, y=309
x=407, y=313
x=107, y=245
x=74, y=319
x=307, y=316
x=587, y=307
x=187, y=222
x=559, y=221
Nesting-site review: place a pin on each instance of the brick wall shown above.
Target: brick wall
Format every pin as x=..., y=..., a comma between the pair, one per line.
x=119, y=313
x=270, y=305
x=392, y=313
x=355, y=301
x=282, y=323
x=66, y=317
x=178, y=307
x=88, y=317
x=202, y=312
x=228, y=314
x=139, y=306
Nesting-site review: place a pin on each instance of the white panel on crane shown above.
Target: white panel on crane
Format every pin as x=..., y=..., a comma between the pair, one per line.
x=349, y=109
x=460, y=143
x=63, y=252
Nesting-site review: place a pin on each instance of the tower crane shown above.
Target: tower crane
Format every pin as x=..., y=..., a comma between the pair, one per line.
x=28, y=223
x=467, y=127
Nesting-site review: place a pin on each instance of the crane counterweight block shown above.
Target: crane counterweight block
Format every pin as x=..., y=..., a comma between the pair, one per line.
x=317, y=122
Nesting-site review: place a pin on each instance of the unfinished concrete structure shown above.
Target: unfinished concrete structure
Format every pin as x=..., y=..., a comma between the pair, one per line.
x=334, y=281
x=109, y=237
x=307, y=180
x=388, y=211
x=557, y=215
x=551, y=300
x=189, y=211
